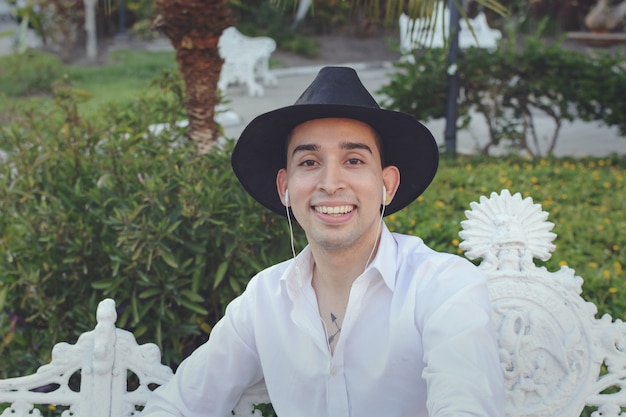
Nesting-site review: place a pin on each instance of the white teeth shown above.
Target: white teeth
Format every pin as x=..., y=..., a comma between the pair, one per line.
x=334, y=210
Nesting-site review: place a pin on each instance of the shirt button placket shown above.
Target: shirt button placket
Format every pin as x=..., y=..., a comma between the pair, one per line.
x=337, y=392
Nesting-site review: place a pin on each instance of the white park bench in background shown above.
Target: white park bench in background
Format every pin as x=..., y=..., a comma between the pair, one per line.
x=246, y=60
x=556, y=356
x=412, y=35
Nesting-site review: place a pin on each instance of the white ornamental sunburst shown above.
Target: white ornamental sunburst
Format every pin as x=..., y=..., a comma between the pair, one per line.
x=506, y=228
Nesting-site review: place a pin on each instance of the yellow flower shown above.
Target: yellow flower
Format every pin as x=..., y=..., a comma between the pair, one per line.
x=439, y=203
x=562, y=263
x=618, y=267
x=612, y=290
x=455, y=242
x=606, y=274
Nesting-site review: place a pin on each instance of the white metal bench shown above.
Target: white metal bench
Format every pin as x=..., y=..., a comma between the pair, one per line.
x=246, y=60
x=556, y=356
x=412, y=33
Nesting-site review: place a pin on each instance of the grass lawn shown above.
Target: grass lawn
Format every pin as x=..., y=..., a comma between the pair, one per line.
x=127, y=74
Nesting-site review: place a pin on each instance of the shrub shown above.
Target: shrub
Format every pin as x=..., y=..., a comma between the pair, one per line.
x=31, y=72
x=103, y=208
x=511, y=87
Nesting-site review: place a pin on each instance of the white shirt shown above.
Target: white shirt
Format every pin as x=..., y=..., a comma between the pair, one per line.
x=417, y=340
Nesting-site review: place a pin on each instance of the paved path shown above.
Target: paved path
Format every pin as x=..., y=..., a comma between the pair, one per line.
x=576, y=139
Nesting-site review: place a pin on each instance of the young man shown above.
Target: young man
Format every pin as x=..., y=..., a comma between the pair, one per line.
x=363, y=322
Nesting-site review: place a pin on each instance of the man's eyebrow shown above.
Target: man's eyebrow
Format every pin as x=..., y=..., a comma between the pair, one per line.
x=305, y=147
x=355, y=145
x=311, y=147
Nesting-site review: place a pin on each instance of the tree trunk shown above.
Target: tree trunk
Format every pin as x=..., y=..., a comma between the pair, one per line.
x=194, y=27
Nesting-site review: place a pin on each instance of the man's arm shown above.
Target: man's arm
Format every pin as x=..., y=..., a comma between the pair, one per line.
x=212, y=379
x=463, y=370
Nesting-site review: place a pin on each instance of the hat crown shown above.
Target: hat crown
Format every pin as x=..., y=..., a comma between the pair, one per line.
x=338, y=86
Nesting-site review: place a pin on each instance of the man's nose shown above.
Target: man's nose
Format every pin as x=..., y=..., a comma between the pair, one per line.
x=332, y=179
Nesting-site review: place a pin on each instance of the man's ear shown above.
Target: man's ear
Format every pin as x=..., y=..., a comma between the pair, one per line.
x=281, y=186
x=391, y=181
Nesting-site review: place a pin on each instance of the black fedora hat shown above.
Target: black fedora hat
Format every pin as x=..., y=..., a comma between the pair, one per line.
x=260, y=151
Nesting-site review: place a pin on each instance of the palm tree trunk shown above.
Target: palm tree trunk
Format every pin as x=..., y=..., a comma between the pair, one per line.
x=194, y=28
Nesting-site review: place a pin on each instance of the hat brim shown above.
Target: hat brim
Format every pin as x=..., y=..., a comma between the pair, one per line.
x=261, y=149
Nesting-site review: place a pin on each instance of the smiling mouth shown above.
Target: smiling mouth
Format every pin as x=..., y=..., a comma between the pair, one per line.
x=337, y=210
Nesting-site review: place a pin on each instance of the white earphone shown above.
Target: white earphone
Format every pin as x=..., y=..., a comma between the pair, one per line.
x=287, y=197
x=384, y=195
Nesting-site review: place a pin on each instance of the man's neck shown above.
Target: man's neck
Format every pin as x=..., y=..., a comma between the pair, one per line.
x=336, y=270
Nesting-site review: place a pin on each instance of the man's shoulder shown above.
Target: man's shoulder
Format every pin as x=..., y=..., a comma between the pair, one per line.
x=413, y=249
x=271, y=275
x=416, y=245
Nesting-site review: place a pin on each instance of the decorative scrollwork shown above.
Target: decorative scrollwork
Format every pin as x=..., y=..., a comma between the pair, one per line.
x=551, y=345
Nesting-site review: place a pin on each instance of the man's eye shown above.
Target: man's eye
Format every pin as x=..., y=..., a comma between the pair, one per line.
x=307, y=163
x=354, y=161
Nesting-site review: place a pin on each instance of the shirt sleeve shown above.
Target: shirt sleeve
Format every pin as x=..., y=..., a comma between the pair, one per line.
x=462, y=366
x=212, y=379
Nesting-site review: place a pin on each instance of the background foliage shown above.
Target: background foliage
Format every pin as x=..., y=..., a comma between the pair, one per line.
x=514, y=85
x=96, y=208
x=60, y=23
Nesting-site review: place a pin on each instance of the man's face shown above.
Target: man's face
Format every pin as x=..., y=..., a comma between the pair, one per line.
x=335, y=182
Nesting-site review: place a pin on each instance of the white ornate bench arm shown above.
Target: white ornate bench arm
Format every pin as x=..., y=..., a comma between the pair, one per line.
x=552, y=347
x=103, y=357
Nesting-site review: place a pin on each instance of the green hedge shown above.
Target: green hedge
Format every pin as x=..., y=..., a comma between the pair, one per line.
x=95, y=209
x=512, y=86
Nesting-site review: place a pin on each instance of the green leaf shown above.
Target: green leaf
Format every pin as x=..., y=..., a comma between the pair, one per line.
x=194, y=307
x=150, y=293
x=104, y=284
x=219, y=275
x=192, y=296
x=169, y=259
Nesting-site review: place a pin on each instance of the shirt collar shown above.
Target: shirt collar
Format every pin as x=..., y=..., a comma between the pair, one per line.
x=298, y=274
x=386, y=259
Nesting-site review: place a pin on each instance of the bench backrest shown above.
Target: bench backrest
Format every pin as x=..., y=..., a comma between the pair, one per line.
x=246, y=59
x=417, y=33
x=104, y=356
x=556, y=356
